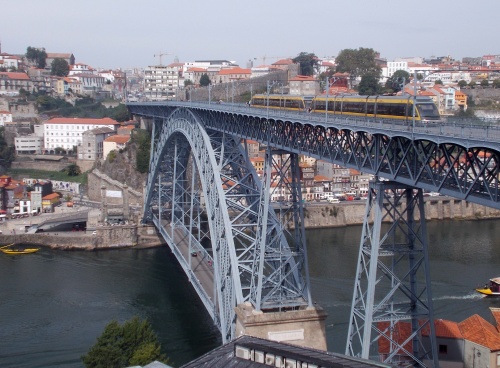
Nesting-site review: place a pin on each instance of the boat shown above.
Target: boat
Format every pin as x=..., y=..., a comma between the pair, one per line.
x=8, y=250
x=492, y=288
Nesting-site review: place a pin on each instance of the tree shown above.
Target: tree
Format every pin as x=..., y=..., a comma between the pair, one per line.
x=485, y=83
x=397, y=81
x=308, y=63
x=73, y=170
x=59, y=67
x=496, y=83
x=462, y=83
x=472, y=84
x=357, y=62
x=439, y=81
x=204, y=80
x=36, y=56
x=368, y=85
x=143, y=140
x=121, y=113
x=133, y=343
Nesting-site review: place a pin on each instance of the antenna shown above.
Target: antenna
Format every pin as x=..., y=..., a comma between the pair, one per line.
x=160, y=55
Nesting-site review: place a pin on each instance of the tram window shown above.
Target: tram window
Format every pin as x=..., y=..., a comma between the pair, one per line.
x=370, y=108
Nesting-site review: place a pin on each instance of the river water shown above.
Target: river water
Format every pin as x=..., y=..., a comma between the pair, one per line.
x=54, y=304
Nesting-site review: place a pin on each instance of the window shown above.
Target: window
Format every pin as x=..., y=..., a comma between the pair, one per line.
x=443, y=349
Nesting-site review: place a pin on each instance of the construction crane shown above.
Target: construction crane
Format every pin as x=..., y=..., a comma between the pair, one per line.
x=160, y=55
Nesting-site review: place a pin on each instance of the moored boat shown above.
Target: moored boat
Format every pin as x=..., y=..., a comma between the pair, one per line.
x=492, y=288
x=8, y=250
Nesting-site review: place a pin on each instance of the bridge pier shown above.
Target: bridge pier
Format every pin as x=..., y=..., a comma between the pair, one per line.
x=392, y=294
x=304, y=326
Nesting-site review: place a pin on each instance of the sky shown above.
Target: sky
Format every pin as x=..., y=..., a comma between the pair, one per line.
x=114, y=34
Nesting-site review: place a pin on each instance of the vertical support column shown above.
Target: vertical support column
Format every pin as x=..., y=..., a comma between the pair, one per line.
x=126, y=208
x=104, y=212
x=392, y=313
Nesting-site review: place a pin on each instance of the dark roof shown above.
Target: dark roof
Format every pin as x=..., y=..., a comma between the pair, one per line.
x=244, y=352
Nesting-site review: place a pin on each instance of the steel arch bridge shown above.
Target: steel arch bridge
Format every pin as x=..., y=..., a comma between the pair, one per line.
x=201, y=185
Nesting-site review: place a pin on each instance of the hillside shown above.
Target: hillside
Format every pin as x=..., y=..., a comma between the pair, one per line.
x=123, y=168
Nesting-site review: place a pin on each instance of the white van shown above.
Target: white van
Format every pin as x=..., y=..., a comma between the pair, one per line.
x=333, y=200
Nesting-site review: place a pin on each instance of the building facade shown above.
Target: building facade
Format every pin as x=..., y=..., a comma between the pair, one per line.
x=67, y=133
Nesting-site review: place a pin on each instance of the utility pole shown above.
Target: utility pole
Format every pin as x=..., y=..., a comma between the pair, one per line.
x=160, y=56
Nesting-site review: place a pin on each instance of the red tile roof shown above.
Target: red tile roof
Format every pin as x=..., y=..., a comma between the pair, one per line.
x=51, y=196
x=479, y=331
x=103, y=121
x=15, y=75
x=303, y=78
x=229, y=71
x=118, y=139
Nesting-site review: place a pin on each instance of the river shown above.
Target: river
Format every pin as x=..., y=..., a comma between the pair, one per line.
x=54, y=304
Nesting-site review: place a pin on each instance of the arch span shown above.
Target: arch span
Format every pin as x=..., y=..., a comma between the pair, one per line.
x=206, y=199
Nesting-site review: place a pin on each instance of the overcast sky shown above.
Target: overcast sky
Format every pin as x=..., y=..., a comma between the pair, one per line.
x=125, y=33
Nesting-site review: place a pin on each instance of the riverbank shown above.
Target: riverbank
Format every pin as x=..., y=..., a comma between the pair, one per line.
x=316, y=216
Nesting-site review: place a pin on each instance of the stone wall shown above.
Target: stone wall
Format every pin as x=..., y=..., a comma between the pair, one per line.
x=37, y=165
x=352, y=213
x=97, y=180
x=107, y=237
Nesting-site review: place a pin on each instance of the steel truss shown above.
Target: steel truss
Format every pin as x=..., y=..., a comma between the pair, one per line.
x=470, y=173
x=392, y=293
x=202, y=186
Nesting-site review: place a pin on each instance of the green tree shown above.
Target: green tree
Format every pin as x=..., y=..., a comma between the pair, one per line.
x=397, y=80
x=472, y=84
x=357, y=62
x=439, y=81
x=204, y=80
x=496, y=83
x=37, y=56
x=7, y=153
x=308, y=63
x=368, y=85
x=462, y=83
x=133, y=343
x=143, y=140
x=59, y=67
x=485, y=83
x=73, y=170
x=121, y=113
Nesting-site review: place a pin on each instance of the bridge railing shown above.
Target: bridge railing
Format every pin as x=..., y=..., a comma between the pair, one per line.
x=446, y=128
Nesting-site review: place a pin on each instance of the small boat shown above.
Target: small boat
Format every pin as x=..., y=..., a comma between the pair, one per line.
x=492, y=288
x=7, y=250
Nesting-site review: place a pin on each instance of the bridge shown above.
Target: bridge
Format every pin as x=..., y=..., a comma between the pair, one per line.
x=208, y=203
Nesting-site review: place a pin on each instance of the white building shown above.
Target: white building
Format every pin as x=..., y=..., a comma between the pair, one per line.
x=28, y=144
x=90, y=83
x=67, y=133
x=5, y=117
x=80, y=69
x=114, y=143
x=162, y=81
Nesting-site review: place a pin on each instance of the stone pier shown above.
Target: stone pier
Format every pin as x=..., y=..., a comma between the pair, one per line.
x=302, y=327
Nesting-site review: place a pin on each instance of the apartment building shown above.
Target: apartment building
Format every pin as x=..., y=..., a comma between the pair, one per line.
x=67, y=133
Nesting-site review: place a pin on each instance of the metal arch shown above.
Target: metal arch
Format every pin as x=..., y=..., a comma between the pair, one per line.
x=227, y=280
x=232, y=192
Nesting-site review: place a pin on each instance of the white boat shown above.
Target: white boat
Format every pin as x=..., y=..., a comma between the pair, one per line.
x=492, y=288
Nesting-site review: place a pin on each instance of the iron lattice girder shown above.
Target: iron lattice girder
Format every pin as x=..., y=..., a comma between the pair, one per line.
x=392, y=284
x=464, y=173
x=231, y=189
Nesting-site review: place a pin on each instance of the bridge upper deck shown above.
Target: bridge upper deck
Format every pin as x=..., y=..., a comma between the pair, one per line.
x=448, y=131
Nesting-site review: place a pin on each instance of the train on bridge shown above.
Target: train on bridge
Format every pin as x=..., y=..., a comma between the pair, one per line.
x=384, y=107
